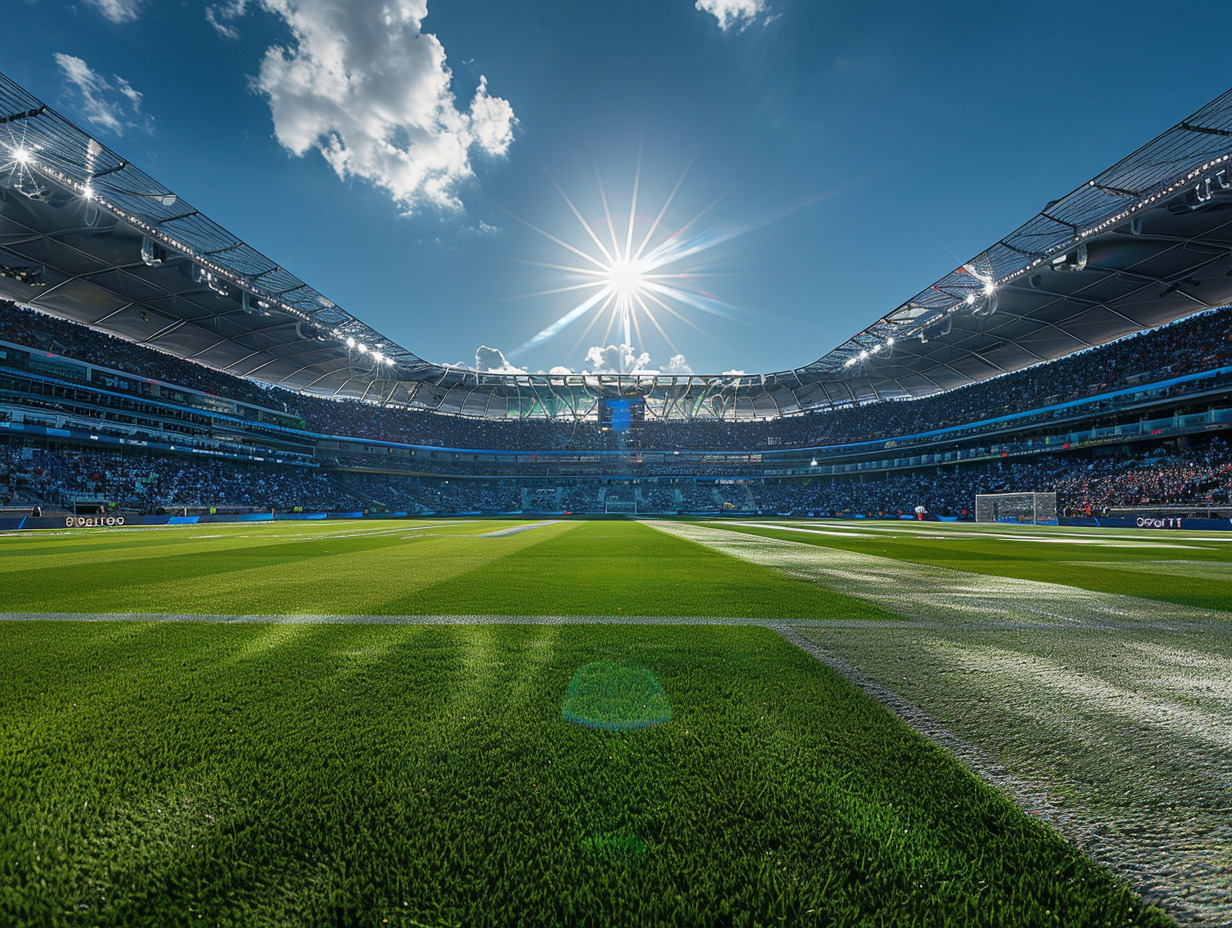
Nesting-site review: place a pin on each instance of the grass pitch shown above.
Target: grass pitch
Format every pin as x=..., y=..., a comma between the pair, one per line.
x=178, y=774
x=301, y=774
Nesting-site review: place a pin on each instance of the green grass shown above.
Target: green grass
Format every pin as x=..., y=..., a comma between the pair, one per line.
x=406, y=568
x=1187, y=568
x=304, y=775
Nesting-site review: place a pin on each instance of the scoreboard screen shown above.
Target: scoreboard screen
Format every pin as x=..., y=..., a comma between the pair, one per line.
x=620, y=415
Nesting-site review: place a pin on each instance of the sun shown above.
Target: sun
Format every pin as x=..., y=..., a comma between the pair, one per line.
x=624, y=278
x=629, y=273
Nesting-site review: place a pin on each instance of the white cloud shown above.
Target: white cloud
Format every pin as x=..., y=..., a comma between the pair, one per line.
x=362, y=84
x=493, y=361
x=222, y=17
x=615, y=359
x=731, y=13
x=678, y=365
x=112, y=105
x=612, y=359
x=118, y=11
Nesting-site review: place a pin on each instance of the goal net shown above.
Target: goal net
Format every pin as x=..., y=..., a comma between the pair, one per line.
x=620, y=505
x=1018, y=508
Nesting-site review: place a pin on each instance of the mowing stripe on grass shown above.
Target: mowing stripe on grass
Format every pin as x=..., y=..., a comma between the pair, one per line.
x=165, y=774
x=939, y=593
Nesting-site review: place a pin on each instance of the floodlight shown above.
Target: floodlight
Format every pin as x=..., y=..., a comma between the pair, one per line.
x=989, y=288
x=21, y=155
x=350, y=343
x=970, y=299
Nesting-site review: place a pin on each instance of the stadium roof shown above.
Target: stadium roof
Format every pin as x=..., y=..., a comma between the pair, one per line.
x=87, y=236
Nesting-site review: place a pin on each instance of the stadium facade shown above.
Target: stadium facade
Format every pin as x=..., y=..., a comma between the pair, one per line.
x=152, y=361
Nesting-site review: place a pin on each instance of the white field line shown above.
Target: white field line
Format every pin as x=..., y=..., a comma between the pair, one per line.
x=975, y=531
x=940, y=594
x=870, y=531
x=517, y=529
x=331, y=619
x=808, y=530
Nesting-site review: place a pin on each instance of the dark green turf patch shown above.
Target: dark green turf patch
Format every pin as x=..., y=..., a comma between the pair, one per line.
x=167, y=774
x=625, y=568
x=569, y=569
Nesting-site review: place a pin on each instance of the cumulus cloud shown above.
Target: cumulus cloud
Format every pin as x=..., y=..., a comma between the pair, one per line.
x=493, y=361
x=363, y=85
x=613, y=359
x=678, y=365
x=609, y=359
x=112, y=105
x=118, y=11
x=733, y=13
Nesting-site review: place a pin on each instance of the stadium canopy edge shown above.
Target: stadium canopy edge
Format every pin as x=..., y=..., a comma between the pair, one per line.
x=87, y=236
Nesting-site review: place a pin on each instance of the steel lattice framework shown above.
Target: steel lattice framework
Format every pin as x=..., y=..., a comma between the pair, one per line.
x=87, y=236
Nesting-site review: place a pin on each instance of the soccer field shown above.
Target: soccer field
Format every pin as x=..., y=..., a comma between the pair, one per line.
x=610, y=722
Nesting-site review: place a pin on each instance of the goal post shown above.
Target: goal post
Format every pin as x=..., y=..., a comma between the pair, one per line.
x=624, y=506
x=1017, y=508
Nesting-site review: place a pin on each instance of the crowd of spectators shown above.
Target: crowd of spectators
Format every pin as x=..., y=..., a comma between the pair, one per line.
x=66, y=478
x=1203, y=342
x=1197, y=478
x=1201, y=477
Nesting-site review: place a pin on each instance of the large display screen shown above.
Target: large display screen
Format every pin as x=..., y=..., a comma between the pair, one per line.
x=620, y=415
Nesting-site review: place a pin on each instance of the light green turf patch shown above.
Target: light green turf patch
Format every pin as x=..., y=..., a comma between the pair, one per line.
x=565, y=569
x=1090, y=559
x=170, y=774
x=1130, y=732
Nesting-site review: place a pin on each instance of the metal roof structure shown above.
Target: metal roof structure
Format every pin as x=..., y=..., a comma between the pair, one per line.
x=87, y=236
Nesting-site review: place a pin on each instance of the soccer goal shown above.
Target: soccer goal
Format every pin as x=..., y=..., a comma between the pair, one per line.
x=1017, y=508
x=626, y=506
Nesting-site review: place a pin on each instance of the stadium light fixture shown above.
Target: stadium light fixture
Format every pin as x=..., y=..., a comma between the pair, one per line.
x=361, y=348
x=21, y=155
x=990, y=288
x=890, y=342
x=350, y=343
x=970, y=299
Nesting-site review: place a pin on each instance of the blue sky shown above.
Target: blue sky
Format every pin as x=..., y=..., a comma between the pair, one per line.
x=407, y=157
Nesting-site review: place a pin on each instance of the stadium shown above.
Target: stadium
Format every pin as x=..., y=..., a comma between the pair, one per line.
x=303, y=629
